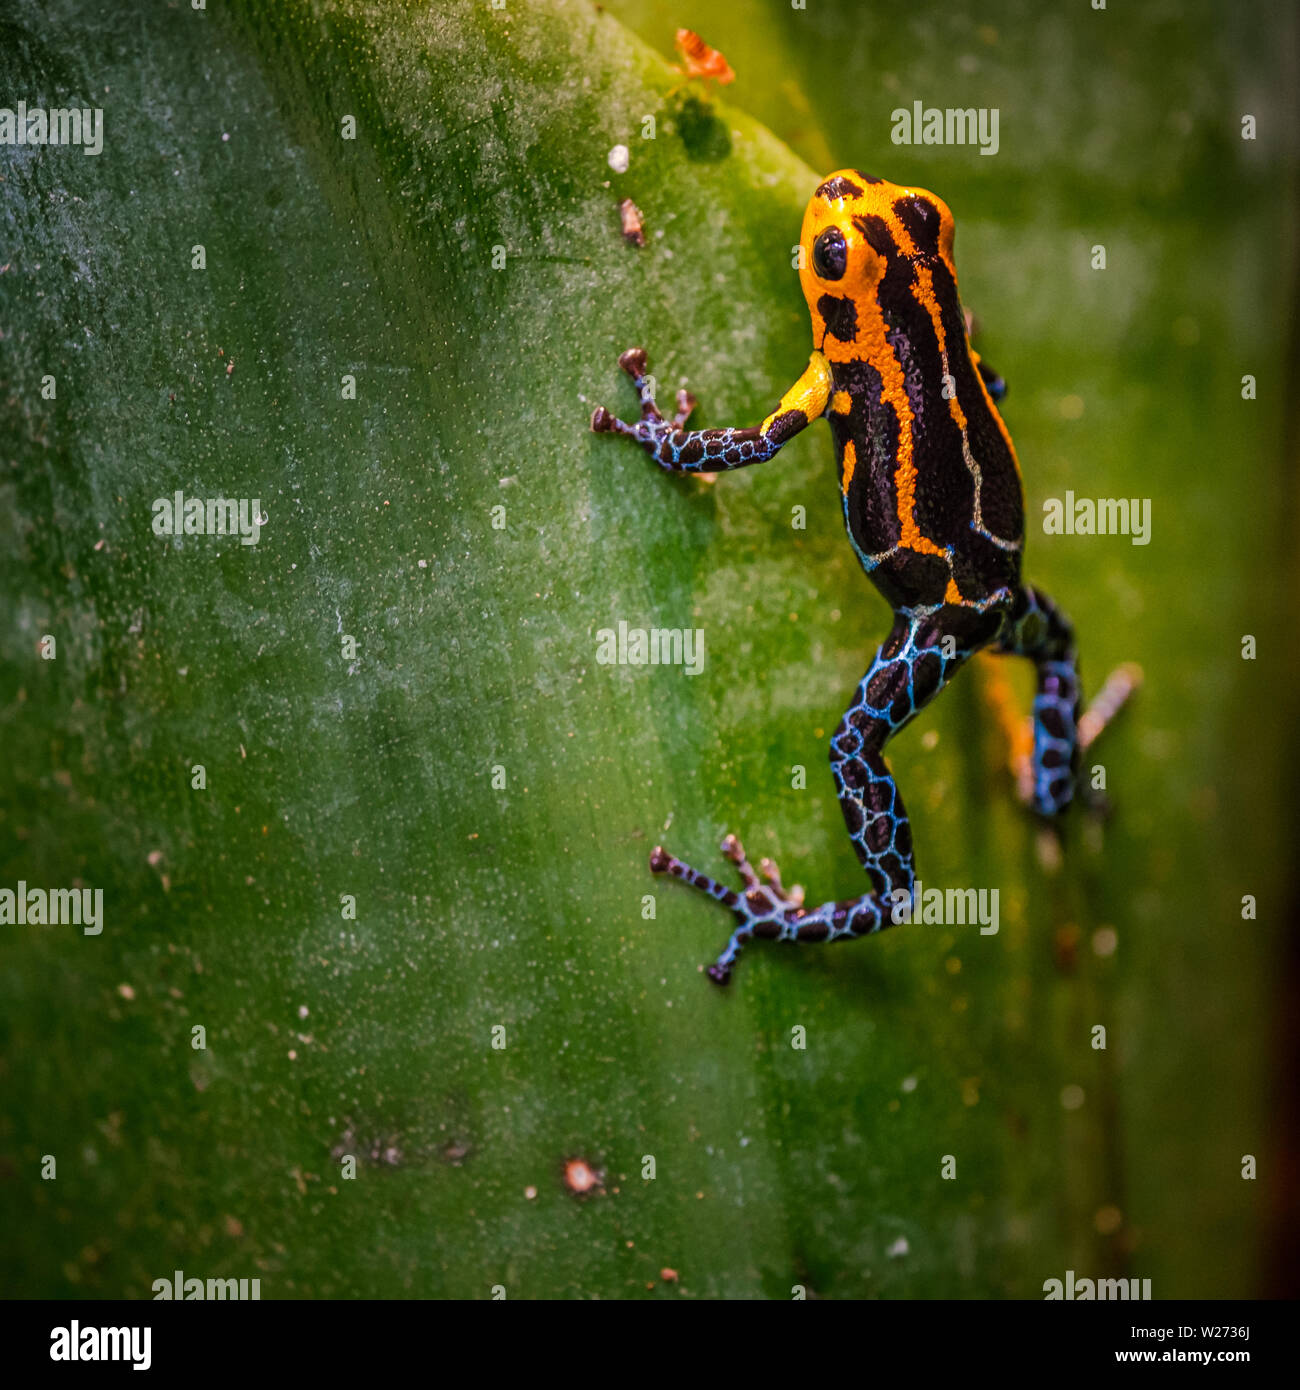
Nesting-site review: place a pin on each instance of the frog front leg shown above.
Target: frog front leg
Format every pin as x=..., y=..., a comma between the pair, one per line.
x=680, y=450
x=915, y=662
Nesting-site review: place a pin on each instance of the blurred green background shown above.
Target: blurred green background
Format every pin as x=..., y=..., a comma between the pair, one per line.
x=482, y=907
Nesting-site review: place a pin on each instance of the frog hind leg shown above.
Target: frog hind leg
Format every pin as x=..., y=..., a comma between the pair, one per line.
x=915, y=662
x=1039, y=630
x=1115, y=692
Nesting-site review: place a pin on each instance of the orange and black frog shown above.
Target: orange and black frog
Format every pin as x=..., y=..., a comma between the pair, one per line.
x=932, y=498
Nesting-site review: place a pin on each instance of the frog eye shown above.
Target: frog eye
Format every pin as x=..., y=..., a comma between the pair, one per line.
x=830, y=254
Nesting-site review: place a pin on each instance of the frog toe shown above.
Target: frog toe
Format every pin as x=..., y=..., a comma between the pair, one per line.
x=633, y=362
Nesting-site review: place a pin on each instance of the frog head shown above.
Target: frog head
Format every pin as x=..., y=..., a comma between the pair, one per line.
x=863, y=241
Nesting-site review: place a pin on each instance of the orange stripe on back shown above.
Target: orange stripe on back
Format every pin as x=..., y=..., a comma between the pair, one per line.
x=850, y=463
x=880, y=356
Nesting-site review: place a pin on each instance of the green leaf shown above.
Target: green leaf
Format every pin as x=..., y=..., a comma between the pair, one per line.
x=481, y=907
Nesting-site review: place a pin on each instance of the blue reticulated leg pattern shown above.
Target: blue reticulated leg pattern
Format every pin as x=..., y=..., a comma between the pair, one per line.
x=1037, y=629
x=919, y=657
x=679, y=450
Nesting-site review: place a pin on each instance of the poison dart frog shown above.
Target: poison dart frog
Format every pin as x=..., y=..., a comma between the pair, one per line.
x=931, y=492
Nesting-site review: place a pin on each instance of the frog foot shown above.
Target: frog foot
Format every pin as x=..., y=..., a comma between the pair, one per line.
x=765, y=909
x=652, y=425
